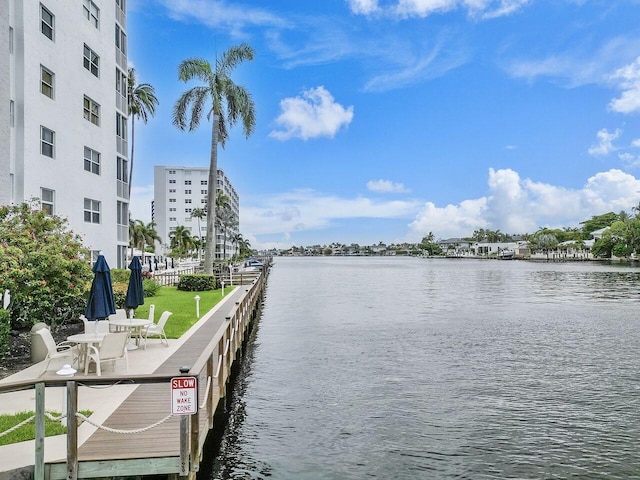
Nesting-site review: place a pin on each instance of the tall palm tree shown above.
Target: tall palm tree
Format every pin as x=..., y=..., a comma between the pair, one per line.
x=226, y=219
x=142, y=103
x=199, y=213
x=181, y=240
x=228, y=103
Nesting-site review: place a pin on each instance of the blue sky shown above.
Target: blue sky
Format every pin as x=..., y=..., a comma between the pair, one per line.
x=384, y=120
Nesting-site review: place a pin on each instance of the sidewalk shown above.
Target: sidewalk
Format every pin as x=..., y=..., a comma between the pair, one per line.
x=101, y=401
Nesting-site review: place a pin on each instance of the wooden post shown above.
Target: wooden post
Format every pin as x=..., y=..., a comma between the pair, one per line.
x=72, y=431
x=38, y=465
x=184, y=437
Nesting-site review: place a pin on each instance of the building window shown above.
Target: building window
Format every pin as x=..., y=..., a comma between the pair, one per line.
x=12, y=113
x=203, y=200
x=123, y=169
x=122, y=5
x=10, y=39
x=203, y=182
x=46, y=81
x=187, y=192
x=187, y=200
x=91, y=211
x=121, y=126
x=121, y=40
x=91, y=61
x=172, y=190
x=91, y=13
x=46, y=22
x=172, y=219
x=187, y=210
x=47, y=142
x=91, y=111
x=91, y=161
x=46, y=200
x=187, y=182
x=172, y=181
x=172, y=200
x=172, y=209
x=172, y=172
x=203, y=192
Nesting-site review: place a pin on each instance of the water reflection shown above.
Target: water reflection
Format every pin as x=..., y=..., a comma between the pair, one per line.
x=407, y=368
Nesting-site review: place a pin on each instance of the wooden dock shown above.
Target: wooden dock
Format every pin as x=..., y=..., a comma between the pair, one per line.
x=124, y=444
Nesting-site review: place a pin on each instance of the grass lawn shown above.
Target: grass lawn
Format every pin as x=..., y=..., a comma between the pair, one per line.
x=28, y=430
x=182, y=305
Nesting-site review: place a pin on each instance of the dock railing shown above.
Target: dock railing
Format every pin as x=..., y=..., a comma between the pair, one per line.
x=212, y=369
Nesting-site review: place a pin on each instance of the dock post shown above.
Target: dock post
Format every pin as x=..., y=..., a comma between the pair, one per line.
x=72, y=431
x=184, y=437
x=38, y=465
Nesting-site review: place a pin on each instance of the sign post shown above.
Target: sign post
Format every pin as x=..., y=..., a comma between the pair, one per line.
x=184, y=401
x=184, y=395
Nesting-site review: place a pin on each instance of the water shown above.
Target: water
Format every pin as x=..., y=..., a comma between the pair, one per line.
x=402, y=368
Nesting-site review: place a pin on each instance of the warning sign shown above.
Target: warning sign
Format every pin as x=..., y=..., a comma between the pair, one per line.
x=184, y=395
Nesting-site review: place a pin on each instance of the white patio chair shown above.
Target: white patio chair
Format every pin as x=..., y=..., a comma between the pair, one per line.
x=112, y=348
x=66, y=350
x=156, y=330
x=95, y=326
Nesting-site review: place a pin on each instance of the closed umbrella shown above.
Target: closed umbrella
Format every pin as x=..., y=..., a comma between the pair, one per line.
x=166, y=264
x=135, y=291
x=150, y=265
x=101, y=302
x=172, y=263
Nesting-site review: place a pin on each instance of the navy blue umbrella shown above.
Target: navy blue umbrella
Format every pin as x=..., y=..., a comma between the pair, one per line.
x=172, y=263
x=166, y=264
x=150, y=267
x=101, y=302
x=135, y=292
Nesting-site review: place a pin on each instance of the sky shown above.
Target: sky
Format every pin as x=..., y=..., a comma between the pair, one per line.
x=385, y=120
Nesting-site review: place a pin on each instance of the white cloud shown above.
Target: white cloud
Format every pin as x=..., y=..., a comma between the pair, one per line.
x=423, y=8
x=627, y=79
x=302, y=210
x=314, y=114
x=605, y=142
x=629, y=160
x=636, y=143
x=514, y=205
x=386, y=186
x=363, y=7
x=220, y=14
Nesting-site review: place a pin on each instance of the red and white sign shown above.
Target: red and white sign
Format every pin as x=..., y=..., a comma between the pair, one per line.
x=184, y=395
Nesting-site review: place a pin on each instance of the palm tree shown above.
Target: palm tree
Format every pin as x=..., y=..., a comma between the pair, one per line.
x=142, y=103
x=229, y=102
x=181, y=240
x=199, y=213
x=226, y=219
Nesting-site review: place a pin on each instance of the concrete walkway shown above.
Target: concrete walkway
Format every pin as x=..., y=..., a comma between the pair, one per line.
x=101, y=401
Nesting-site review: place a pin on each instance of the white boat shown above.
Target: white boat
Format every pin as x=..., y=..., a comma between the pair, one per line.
x=506, y=254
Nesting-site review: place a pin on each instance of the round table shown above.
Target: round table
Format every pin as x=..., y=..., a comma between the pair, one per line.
x=134, y=325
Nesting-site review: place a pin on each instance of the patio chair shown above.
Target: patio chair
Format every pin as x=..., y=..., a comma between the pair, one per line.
x=66, y=350
x=156, y=330
x=112, y=348
x=95, y=326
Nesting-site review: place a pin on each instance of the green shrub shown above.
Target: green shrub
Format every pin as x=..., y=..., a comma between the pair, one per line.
x=5, y=329
x=150, y=287
x=120, y=293
x=42, y=266
x=120, y=275
x=197, y=283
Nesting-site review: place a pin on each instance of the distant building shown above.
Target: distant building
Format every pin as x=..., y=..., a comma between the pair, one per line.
x=177, y=192
x=63, y=79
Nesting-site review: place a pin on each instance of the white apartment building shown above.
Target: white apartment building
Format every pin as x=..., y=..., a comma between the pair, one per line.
x=63, y=115
x=177, y=191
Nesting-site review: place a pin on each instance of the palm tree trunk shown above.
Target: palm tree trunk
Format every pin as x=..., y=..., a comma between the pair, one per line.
x=210, y=246
x=133, y=136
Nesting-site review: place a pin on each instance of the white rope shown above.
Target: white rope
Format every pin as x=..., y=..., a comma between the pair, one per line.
x=206, y=396
x=27, y=420
x=219, y=367
x=115, y=430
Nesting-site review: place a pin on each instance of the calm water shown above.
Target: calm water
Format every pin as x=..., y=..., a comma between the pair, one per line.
x=400, y=368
